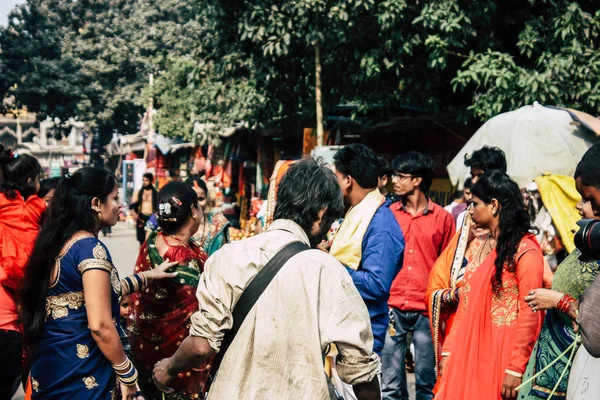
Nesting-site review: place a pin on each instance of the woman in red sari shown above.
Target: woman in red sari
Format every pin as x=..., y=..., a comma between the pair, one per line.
x=161, y=314
x=487, y=351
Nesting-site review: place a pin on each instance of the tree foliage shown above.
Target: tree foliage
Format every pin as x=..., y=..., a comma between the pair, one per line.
x=221, y=62
x=91, y=59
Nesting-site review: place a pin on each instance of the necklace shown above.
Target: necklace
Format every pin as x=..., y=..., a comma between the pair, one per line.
x=200, y=238
x=480, y=253
x=179, y=240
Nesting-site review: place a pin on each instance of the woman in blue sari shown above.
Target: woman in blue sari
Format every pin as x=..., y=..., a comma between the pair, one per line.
x=214, y=228
x=69, y=307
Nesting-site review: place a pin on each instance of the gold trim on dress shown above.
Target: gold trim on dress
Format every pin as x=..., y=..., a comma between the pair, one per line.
x=60, y=257
x=94, y=263
x=90, y=382
x=58, y=306
x=83, y=351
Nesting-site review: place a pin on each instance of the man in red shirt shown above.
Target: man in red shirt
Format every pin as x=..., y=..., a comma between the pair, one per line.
x=427, y=229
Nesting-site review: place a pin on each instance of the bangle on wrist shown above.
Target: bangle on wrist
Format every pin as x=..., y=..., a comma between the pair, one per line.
x=126, y=372
x=564, y=304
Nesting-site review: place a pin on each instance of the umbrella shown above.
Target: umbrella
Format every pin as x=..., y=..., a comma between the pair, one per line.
x=536, y=139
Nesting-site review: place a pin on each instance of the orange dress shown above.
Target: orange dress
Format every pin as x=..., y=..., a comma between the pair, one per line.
x=441, y=315
x=493, y=332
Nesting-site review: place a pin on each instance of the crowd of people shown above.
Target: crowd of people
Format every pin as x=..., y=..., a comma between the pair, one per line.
x=302, y=310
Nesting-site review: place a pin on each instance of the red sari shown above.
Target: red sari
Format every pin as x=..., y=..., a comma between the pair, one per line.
x=161, y=314
x=493, y=333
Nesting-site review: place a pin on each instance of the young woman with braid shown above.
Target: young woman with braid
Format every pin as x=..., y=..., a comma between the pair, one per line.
x=69, y=308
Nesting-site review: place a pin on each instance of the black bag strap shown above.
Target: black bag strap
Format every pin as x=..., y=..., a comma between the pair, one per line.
x=252, y=293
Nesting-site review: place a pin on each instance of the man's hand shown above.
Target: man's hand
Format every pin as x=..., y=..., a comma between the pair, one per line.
x=368, y=390
x=161, y=376
x=324, y=246
x=509, y=387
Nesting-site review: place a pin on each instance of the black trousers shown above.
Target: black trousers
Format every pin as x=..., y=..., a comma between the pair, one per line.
x=140, y=228
x=11, y=352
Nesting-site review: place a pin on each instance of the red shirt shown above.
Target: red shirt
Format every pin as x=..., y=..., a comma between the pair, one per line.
x=426, y=235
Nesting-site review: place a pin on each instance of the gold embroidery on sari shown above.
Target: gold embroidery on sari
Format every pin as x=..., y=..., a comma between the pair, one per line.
x=83, y=351
x=115, y=281
x=58, y=306
x=194, y=265
x=156, y=338
x=505, y=302
x=133, y=328
x=90, y=382
x=35, y=385
x=148, y=315
x=161, y=293
x=99, y=252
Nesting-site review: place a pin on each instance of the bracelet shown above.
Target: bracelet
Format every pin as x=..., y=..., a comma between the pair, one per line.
x=564, y=305
x=133, y=283
x=450, y=296
x=126, y=372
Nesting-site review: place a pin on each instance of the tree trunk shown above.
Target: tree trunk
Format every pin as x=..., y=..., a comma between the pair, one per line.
x=318, y=94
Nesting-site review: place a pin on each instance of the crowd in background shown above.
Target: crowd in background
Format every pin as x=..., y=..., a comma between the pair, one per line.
x=302, y=310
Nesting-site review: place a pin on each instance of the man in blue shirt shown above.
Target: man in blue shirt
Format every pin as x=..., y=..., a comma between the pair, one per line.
x=369, y=242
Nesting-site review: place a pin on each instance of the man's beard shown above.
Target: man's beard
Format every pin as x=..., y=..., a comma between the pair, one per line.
x=148, y=187
x=323, y=230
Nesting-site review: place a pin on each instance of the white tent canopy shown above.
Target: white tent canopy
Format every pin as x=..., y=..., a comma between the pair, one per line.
x=536, y=140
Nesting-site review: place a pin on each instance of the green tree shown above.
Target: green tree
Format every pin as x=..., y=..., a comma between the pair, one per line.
x=33, y=67
x=92, y=59
x=544, y=51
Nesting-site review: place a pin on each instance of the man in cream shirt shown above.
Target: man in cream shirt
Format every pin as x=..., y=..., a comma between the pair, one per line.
x=311, y=303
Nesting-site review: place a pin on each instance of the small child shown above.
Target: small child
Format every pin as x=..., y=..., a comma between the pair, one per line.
x=125, y=304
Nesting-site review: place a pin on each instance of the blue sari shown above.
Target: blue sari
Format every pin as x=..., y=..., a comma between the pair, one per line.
x=67, y=363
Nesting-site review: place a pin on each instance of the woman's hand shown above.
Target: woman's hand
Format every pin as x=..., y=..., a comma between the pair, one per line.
x=131, y=392
x=160, y=272
x=442, y=365
x=543, y=299
x=509, y=387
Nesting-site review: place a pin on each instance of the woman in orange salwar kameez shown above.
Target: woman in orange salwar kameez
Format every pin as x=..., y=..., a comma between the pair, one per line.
x=494, y=331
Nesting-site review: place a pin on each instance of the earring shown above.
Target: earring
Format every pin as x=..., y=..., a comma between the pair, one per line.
x=194, y=216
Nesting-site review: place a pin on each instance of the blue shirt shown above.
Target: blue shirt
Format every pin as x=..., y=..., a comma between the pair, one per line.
x=382, y=256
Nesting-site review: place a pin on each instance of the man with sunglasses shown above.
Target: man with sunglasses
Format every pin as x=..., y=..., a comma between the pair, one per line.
x=427, y=229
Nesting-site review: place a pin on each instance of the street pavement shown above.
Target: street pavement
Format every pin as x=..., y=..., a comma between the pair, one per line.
x=123, y=248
